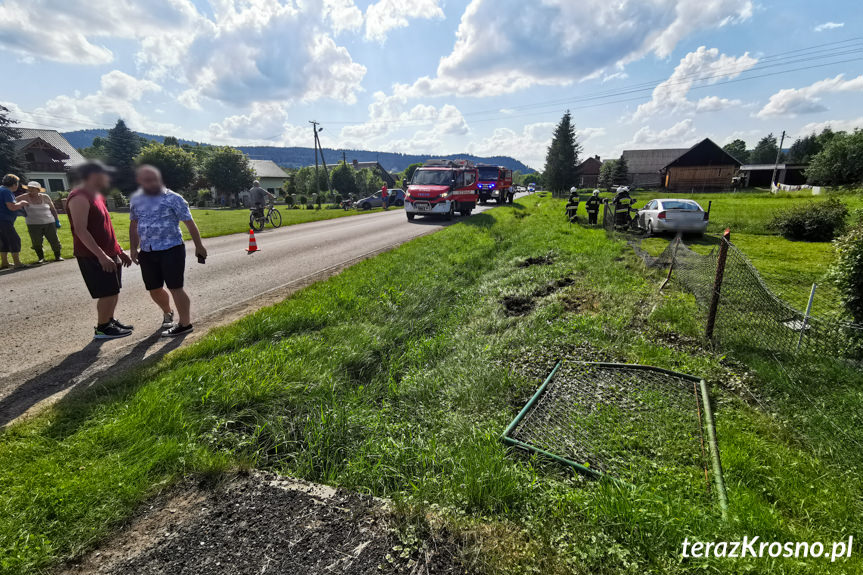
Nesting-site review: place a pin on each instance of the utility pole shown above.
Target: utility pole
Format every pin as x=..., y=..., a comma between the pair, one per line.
x=776, y=165
x=317, y=130
x=315, y=135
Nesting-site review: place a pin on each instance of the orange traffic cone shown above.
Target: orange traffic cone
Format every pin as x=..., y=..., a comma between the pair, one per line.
x=253, y=243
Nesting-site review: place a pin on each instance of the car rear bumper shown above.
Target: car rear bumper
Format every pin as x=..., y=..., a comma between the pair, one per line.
x=686, y=227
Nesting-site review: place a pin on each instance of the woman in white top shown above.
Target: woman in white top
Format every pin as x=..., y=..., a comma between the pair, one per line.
x=42, y=221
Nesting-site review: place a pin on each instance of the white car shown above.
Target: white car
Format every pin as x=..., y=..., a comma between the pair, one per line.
x=672, y=215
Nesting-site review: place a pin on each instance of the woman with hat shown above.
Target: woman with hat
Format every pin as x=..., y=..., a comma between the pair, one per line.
x=42, y=221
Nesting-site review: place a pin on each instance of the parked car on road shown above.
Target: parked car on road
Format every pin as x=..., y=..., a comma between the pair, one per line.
x=672, y=215
x=397, y=198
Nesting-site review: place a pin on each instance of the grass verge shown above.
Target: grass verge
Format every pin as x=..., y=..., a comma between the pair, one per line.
x=397, y=377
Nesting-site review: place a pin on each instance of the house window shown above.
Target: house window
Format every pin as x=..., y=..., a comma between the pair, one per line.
x=56, y=185
x=39, y=180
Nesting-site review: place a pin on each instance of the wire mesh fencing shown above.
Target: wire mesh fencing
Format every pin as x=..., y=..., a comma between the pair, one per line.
x=747, y=314
x=621, y=421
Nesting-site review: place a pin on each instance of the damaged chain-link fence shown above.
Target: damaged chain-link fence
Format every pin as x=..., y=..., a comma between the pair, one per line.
x=748, y=314
x=622, y=421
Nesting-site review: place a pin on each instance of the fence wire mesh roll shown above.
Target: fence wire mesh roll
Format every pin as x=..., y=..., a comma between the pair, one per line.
x=619, y=420
x=750, y=315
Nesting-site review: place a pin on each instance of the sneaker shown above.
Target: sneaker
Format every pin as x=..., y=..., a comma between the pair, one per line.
x=59, y=259
x=168, y=320
x=177, y=330
x=41, y=261
x=111, y=331
x=121, y=325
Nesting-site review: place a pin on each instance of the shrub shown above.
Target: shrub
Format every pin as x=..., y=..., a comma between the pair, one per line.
x=847, y=272
x=204, y=196
x=118, y=197
x=812, y=222
x=289, y=200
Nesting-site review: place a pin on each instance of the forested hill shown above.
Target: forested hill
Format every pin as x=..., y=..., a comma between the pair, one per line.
x=298, y=157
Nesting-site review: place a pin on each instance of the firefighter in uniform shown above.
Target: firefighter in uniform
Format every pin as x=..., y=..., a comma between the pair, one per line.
x=622, y=203
x=572, y=205
x=592, y=206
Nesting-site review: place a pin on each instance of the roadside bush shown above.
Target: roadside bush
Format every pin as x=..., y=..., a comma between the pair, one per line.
x=847, y=272
x=811, y=222
x=204, y=196
x=118, y=197
x=289, y=200
x=303, y=201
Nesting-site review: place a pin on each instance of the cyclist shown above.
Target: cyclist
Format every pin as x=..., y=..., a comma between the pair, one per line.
x=260, y=198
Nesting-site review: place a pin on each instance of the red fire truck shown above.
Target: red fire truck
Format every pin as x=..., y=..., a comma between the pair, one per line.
x=495, y=182
x=442, y=187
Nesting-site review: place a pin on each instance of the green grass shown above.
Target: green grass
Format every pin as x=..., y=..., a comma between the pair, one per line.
x=397, y=377
x=211, y=222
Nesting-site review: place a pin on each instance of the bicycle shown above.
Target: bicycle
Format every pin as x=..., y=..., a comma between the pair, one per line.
x=258, y=219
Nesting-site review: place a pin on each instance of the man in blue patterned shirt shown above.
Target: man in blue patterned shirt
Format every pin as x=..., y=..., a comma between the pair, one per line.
x=157, y=246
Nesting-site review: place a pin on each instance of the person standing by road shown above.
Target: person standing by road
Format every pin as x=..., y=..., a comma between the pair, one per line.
x=157, y=246
x=385, y=197
x=42, y=222
x=95, y=246
x=10, y=208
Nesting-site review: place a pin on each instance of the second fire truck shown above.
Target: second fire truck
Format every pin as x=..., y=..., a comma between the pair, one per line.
x=495, y=182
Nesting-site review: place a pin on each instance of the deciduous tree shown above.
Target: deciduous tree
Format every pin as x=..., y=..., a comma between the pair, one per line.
x=228, y=170
x=765, y=151
x=737, y=148
x=176, y=164
x=840, y=162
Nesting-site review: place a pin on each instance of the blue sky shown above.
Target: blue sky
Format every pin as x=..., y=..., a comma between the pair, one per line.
x=436, y=76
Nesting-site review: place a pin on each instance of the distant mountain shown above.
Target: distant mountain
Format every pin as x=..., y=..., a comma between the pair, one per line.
x=297, y=157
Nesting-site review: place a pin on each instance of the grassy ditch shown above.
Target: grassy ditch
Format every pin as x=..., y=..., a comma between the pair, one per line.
x=397, y=377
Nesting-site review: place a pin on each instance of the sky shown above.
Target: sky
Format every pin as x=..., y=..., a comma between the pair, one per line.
x=488, y=77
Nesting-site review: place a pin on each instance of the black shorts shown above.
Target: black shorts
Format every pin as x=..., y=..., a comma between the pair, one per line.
x=99, y=282
x=10, y=241
x=163, y=268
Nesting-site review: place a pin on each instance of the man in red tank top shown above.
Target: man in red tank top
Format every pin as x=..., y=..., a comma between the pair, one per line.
x=99, y=256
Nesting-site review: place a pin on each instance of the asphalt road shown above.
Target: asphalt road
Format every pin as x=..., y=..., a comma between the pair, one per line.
x=48, y=316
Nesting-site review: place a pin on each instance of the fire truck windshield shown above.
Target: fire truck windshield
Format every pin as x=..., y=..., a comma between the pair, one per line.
x=487, y=174
x=432, y=178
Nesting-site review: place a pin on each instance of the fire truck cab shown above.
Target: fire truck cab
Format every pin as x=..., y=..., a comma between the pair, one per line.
x=495, y=182
x=442, y=187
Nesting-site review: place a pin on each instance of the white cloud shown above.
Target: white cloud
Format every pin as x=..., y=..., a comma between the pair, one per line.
x=793, y=102
x=390, y=114
x=703, y=66
x=829, y=26
x=343, y=15
x=263, y=50
x=116, y=98
x=69, y=30
x=385, y=15
x=529, y=145
x=555, y=42
x=837, y=125
x=680, y=135
x=265, y=124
